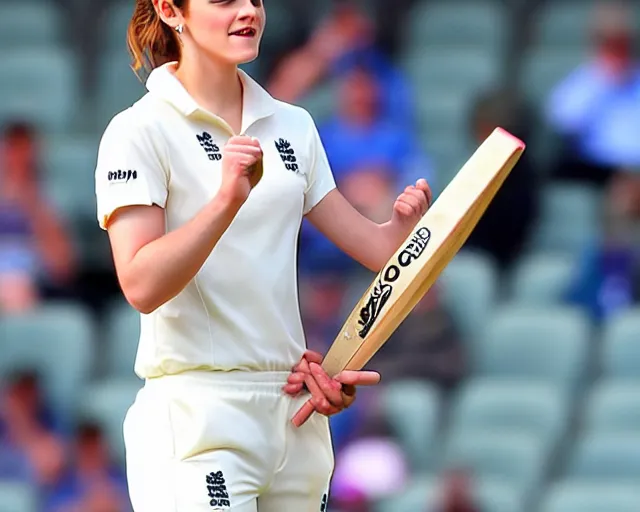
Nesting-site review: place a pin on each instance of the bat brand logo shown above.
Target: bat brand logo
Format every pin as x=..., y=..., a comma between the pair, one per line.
x=383, y=288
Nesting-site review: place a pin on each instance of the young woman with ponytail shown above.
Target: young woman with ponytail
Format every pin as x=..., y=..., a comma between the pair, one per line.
x=202, y=186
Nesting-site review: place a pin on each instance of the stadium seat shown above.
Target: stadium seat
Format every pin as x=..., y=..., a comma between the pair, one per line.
x=72, y=160
x=32, y=24
x=122, y=330
x=412, y=409
x=320, y=101
x=576, y=496
x=569, y=219
x=107, y=403
x=469, y=285
x=541, y=279
x=542, y=70
x=613, y=407
x=461, y=70
x=55, y=340
x=41, y=86
x=118, y=87
x=513, y=458
x=484, y=405
x=479, y=23
x=564, y=23
x=606, y=456
x=621, y=350
x=423, y=494
x=543, y=344
x=114, y=25
x=18, y=497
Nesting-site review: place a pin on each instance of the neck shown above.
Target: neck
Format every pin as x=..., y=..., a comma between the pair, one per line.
x=214, y=85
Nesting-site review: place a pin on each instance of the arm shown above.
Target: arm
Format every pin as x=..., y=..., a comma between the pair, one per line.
x=153, y=267
x=367, y=242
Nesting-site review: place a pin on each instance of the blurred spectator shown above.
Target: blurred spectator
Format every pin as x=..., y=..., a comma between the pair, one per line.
x=608, y=275
x=596, y=109
x=506, y=225
x=361, y=135
x=425, y=346
x=93, y=482
x=457, y=492
x=30, y=448
x=346, y=38
x=370, y=467
x=35, y=250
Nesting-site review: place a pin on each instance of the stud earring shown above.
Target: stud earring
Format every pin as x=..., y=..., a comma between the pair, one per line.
x=180, y=29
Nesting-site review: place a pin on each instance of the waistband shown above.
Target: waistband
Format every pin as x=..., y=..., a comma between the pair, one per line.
x=270, y=382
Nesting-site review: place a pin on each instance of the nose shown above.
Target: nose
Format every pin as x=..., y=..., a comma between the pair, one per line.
x=249, y=9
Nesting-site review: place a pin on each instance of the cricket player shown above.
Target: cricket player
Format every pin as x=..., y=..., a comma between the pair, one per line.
x=202, y=186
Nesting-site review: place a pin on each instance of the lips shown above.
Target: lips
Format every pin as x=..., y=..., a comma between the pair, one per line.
x=245, y=32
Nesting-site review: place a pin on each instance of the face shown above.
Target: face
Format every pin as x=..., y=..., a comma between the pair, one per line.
x=359, y=96
x=227, y=30
x=19, y=156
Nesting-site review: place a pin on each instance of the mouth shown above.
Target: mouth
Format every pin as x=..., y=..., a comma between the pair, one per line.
x=245, y=32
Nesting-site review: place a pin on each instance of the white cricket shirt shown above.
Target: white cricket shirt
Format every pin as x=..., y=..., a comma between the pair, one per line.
x=241, y=311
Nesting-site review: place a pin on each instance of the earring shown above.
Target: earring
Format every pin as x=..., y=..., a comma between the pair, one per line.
x=180, y=29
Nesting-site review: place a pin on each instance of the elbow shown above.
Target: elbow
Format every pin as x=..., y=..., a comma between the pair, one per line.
x=141, y=303
x=139, y=298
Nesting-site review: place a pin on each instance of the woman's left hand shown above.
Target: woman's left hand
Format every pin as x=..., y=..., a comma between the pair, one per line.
x=328, y=396
x=411, y=205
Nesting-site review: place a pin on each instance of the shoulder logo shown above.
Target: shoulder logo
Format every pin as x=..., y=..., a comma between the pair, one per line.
x=122, y=176
x=384, y=286
x=323, y=505
x=217, y=491
x=287, y=154
x=211, y=149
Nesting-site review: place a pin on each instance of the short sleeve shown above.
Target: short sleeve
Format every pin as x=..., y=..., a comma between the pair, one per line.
x=130, y=169
x=321, y=180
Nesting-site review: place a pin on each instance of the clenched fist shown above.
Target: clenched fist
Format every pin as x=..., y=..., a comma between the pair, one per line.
x=241, y=167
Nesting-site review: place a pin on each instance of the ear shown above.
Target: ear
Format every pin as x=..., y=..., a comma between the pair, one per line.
x=168, y=13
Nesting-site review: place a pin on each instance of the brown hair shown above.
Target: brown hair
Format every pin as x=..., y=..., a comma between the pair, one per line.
x=151, y=42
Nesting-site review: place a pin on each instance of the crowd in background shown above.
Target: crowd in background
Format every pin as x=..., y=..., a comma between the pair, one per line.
x=587, y=129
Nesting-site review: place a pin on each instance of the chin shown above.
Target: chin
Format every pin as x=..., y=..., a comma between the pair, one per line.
x=246, y=57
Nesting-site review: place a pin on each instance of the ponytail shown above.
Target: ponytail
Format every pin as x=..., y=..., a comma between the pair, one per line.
x=151, y=42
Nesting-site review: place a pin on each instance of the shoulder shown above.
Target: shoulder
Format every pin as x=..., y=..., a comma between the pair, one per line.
x=143, y=117
x=299, y=116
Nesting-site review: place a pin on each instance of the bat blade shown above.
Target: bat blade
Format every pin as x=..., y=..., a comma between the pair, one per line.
x=420, y=260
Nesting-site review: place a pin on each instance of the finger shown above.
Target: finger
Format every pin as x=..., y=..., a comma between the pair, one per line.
x=358, y=378
x=244, y=140
x=331, y=389
x=303, y=414
x=424, y=186
x=293, y=389
x=244, y=150
x=412, y=203
x=296, y=378
x=313, y=357
x=421, y=199
x=402, y=208
x=324, y=396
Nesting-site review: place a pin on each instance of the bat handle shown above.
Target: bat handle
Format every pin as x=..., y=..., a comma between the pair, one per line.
x=303, y=414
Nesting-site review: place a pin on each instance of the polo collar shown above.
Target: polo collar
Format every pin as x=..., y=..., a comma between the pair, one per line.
x=257, y=102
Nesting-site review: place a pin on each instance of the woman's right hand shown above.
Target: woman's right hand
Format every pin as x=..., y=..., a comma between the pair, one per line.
x=241, y=168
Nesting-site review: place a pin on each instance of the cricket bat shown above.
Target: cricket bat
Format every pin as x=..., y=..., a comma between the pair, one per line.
x=420, y=260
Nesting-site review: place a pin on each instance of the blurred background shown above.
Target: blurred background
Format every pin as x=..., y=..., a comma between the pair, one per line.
x=514, y=386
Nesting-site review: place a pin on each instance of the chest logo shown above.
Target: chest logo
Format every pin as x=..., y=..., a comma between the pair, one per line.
x=288, y=155
x=211, y=149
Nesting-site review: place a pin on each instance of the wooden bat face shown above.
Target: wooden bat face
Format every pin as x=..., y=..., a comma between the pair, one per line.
x=419, y=261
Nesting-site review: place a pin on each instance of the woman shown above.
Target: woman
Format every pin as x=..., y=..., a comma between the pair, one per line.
x=202, y=186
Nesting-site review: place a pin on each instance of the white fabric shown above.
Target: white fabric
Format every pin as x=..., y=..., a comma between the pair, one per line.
x=241, y=311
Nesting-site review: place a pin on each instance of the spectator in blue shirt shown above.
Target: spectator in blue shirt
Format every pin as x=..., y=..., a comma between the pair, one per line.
x=596, y=109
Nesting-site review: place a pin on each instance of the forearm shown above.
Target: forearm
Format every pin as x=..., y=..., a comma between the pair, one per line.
x=161, y=269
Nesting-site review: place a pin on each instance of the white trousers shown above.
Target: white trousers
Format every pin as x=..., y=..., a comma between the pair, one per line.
x=205, y=442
